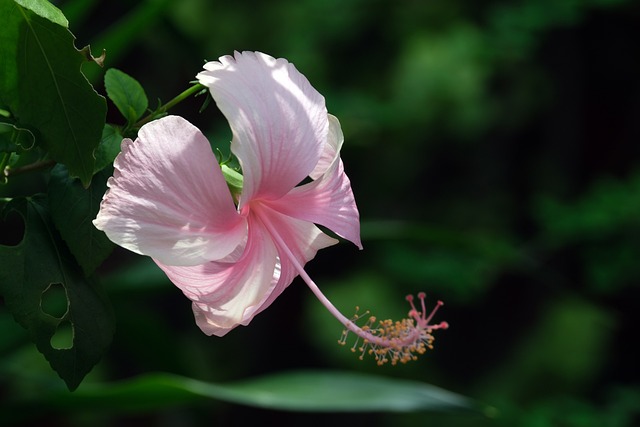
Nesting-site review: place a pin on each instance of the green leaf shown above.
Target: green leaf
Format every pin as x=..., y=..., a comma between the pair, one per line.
x=72, y=210
x=46, y=10
x=42, y=85
x=13, y=138
x=342, y=391
x=304, y=391
x=108, y=149
x=39, y=269
x=9, y=53
x=126, y=93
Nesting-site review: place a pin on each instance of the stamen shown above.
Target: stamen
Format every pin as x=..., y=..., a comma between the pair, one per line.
x=354, y=318
x=388, y=341
x=400, y=341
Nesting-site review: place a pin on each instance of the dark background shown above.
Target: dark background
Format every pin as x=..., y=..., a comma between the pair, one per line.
x=493, y=148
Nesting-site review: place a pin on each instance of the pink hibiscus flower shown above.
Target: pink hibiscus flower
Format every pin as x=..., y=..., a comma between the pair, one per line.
x=232, y=254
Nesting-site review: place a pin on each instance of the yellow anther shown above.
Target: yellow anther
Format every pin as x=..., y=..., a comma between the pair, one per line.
x=394, y=341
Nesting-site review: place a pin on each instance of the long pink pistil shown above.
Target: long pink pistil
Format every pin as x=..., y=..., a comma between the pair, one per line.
x=388, y=341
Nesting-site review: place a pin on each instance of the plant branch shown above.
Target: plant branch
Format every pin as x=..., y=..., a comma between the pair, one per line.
x=43, y=164
x=164, y=108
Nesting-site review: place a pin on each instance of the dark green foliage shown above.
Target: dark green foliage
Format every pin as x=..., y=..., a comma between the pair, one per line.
x=126, y=93
x=28, y=271
x=13, y=138
x=317, y=391
x=72, y=209
x=108, y=149
x=41, y=83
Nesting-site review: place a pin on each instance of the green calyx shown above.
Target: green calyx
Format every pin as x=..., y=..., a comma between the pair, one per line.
x=234, y=180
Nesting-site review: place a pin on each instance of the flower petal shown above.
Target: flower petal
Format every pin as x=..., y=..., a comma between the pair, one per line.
x=328, y=200
x=330, y=149
x=279, y=121
x=302, y=239
x=228, y=294
x=168, y=198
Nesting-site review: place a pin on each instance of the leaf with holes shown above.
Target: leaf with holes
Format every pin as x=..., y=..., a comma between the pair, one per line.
x=72, y=210
x=67, y=316
x=13, y=138
x=42, y=85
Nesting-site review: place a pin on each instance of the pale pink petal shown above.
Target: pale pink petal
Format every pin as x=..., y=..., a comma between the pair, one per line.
x=279, y=121
x=302, y=239
x=329, y=200
x=168, y=199
x=331, y=148
x=227, y=294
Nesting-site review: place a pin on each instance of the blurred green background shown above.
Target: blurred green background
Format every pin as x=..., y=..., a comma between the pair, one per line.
x=494, y=151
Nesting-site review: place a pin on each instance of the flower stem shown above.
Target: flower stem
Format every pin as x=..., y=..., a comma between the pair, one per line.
x=42, y=164
x=164, y=108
